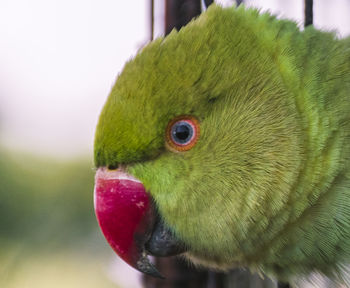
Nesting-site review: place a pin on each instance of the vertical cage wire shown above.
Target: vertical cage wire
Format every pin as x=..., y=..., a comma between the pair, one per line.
x=308, y=12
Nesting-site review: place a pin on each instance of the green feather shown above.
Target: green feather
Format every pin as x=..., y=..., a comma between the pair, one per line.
x=267, y=185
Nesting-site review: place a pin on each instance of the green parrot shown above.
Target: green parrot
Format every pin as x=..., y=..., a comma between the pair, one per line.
x=229, y=142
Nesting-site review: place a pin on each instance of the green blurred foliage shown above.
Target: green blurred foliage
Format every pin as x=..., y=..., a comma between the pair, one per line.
x=49, y=236
x=45, y=201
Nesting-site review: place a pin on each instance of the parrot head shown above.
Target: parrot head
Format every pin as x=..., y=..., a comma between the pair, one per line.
x=198, y=145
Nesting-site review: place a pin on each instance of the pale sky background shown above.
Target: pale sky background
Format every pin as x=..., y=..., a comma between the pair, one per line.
x=59, y=59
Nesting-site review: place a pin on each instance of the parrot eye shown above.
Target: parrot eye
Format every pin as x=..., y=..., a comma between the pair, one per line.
x=182, y=133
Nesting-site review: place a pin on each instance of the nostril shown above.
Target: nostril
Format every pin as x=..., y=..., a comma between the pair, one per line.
x=112, y=167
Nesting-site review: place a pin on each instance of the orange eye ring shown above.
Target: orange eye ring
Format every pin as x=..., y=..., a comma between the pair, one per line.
x=182, y=133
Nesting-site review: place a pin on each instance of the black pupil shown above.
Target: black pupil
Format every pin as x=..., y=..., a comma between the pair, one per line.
x=182, y=132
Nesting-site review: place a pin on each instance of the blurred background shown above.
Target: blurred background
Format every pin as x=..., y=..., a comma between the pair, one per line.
x=58, y=61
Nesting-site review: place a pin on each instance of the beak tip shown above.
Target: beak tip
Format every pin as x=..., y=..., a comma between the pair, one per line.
x=145, y=266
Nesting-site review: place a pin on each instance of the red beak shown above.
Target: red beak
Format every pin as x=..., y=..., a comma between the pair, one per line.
x=126, y=216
